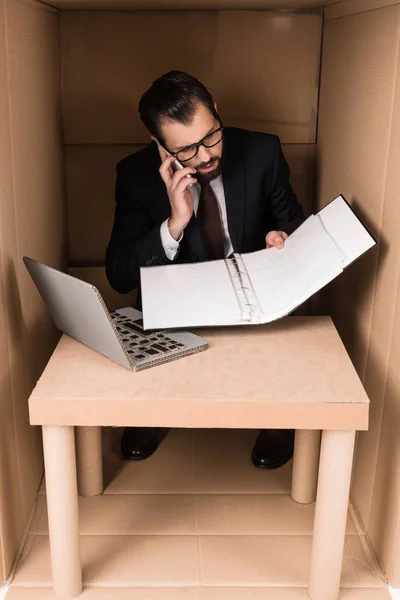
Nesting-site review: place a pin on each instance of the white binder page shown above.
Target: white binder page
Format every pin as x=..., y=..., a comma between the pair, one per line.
x=188, y=295
x=345, y=229
x=284, y=279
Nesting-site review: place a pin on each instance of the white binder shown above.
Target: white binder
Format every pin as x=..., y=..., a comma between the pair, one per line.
x=257, y=287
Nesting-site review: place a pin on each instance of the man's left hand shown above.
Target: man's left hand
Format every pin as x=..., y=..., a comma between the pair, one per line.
x=276, y=239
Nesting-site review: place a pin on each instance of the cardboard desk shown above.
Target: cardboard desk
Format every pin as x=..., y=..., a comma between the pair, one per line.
x=292, y=374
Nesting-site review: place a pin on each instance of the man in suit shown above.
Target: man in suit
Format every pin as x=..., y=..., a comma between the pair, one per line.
x=231, y=194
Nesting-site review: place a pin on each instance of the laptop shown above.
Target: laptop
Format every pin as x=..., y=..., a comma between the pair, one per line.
x=78, y=310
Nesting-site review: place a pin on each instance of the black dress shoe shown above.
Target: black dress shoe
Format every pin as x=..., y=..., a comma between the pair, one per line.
x=138, y=443
x=273, y=448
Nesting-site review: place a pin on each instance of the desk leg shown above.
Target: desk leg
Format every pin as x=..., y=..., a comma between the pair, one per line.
x=334, y=478
x=305, y=465
x=89, y=461
x=62, y=506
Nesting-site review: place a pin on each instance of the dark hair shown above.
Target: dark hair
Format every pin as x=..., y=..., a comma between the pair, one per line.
x=173, y=96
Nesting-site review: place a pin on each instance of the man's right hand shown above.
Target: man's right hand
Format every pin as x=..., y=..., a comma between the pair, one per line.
x=179, y=195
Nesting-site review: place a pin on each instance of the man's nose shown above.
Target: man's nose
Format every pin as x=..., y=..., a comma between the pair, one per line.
x=203, y=155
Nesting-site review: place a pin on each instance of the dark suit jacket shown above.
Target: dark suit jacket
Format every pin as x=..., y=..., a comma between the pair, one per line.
x=258, y=195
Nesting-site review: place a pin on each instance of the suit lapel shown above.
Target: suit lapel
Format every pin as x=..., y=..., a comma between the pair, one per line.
x=233, y=177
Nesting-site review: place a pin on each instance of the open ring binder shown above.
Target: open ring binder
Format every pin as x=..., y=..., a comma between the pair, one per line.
x=258, y=287
x=251, y=311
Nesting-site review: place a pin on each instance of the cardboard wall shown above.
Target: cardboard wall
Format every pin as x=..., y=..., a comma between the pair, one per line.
x=263, y=68
x=250, y=60
x=358, y=154
x=32, y=221
x=185, y=4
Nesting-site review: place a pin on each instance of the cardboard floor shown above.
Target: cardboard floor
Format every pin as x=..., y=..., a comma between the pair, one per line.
x=196, y=521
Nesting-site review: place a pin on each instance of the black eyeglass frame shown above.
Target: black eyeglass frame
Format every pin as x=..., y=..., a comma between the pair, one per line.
x=198, y=144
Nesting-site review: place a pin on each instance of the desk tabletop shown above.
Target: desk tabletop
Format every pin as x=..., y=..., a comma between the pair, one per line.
x=294, y=373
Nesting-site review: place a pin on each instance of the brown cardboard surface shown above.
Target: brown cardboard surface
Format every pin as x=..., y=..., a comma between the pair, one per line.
x=90, y=181
x=209, y=514
x=384, y=526
x=12, y=524
x=180, y=559
x=223, y=538
x=90, y=173
x=34, y=88
x=385, y=307
x=246, y=539
x=62, y=499
x=29, y=194
x=357, y=93
x=385, y=515
x=351, y=7
x=81, y=387
x=107, y=560
x=223, y=560
x=358, y=155
x=214, y=461
x=354, y=69
x=387, y=536
x=183, y=4
x=98, y=70
x=213, y=593
x=301, y=159
x=33, y=192
x=203, y=461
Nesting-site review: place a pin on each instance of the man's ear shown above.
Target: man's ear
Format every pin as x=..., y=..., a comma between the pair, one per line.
x=155, y=140
x=215, y=106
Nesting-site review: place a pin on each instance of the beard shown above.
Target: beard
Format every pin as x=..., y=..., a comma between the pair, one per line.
x=203, y=178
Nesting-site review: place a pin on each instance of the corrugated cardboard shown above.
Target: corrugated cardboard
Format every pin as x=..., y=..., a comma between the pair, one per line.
x=343, y=8
x=358, y=152
x=243, y=519
x=90, y=175
x=384, y=522
x=263, y=67
x=65, y=394
x=102, y=83
x=184, y=4
x=211, y=593
x=32, y=221
x=11, y=528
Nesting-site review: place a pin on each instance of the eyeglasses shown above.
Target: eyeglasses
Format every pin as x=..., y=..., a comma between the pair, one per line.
x=210, y=140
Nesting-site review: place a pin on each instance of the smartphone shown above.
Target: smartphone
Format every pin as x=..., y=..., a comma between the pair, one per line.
x=176, y=165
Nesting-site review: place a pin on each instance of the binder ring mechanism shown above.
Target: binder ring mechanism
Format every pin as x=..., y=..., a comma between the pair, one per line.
x=246, y=297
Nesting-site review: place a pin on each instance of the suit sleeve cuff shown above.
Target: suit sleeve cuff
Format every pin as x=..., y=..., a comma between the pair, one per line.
x=170, y=245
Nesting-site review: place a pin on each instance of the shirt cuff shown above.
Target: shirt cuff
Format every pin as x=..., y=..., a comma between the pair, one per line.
x=170, y=245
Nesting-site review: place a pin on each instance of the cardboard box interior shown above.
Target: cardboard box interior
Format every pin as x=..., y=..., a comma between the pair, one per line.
x=326, y=80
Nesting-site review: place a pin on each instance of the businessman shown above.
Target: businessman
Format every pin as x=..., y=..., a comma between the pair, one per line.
x=232, y=195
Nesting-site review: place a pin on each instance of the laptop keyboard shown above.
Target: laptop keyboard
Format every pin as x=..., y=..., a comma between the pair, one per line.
x=141, y=345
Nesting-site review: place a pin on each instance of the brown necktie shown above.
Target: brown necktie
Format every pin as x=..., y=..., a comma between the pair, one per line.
x=210, y=223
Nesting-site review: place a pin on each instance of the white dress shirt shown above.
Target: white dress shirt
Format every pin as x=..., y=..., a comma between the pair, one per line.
x=171, y=246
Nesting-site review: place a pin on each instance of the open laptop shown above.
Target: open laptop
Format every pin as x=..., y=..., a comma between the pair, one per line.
x=78, y=309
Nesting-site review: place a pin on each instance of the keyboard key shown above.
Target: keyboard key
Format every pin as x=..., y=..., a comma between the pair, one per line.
x=159, y=347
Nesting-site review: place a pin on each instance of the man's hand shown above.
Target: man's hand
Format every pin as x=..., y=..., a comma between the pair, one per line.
x=179, y=195
x=276, y=239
